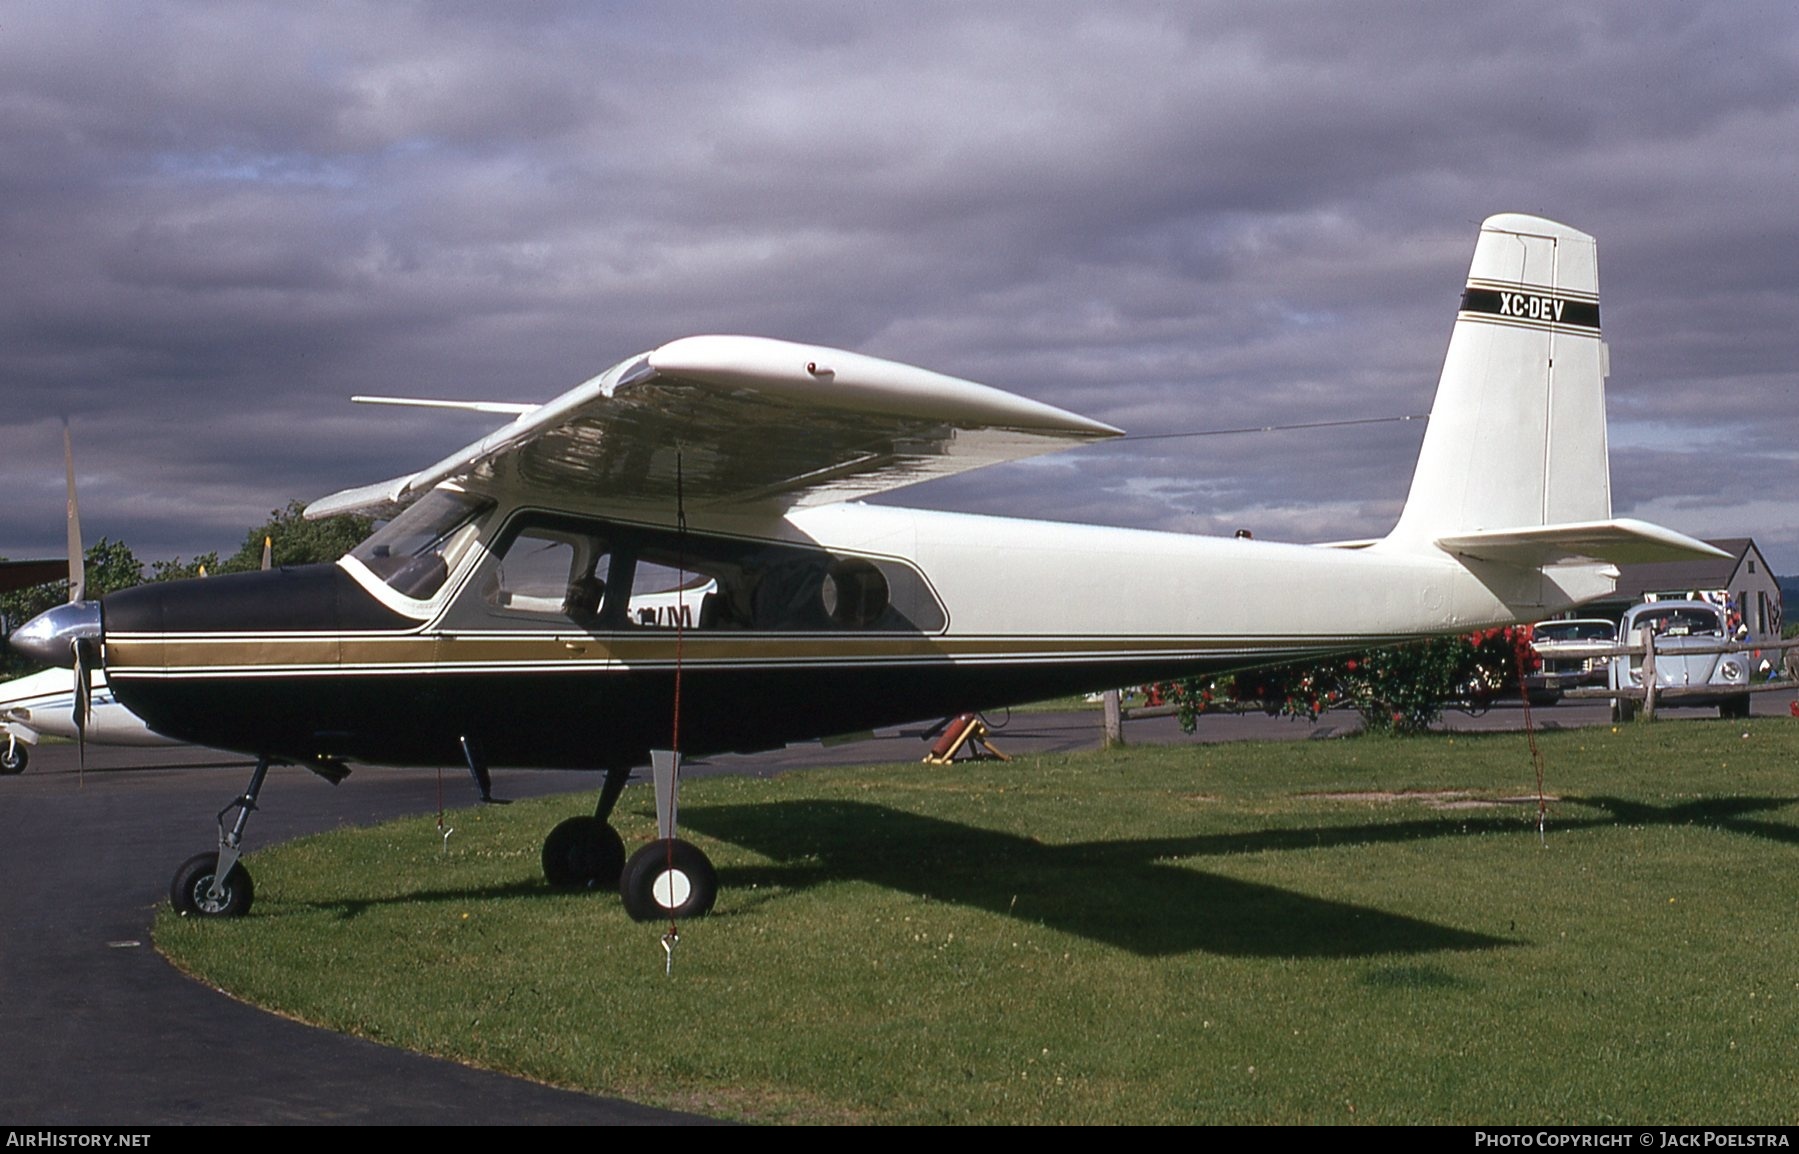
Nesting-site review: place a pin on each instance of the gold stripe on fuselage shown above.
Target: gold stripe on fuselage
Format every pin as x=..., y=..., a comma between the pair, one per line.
x=204, y=654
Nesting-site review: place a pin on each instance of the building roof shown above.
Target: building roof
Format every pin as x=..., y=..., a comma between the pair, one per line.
x=1705, y=573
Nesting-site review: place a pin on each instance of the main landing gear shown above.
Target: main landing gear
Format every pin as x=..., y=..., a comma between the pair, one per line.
x=668, y=878
x=585, y=853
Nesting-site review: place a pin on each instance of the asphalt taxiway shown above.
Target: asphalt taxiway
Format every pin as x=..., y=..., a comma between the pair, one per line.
x=97, y=1029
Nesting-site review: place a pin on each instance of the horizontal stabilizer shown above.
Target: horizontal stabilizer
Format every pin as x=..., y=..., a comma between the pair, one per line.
x=1620, y=541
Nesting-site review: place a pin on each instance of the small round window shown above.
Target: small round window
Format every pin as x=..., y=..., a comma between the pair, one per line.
x=854, y=592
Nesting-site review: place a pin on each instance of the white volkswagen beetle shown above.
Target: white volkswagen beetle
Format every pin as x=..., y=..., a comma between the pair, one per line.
x=1688, y=636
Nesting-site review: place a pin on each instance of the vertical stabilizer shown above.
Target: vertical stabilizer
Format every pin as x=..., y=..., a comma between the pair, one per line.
x=1517, y=431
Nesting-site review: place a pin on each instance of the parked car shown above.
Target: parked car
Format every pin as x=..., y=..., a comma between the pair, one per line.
x=1688, y=666
x=1550, y=639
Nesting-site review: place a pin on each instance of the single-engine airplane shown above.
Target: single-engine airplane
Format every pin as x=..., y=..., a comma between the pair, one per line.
x=672, y=557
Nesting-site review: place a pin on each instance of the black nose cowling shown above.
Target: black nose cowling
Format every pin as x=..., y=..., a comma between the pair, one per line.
x=51, y=635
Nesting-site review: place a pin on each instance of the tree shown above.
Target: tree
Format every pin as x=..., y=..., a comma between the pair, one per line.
x=202, y=565
x=110, y=565
x=297, y=541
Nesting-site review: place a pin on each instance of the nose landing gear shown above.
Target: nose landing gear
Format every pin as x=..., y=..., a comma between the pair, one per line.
x=216, y=885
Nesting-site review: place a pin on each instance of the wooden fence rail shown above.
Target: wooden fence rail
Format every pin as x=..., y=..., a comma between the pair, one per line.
x=1651, y=693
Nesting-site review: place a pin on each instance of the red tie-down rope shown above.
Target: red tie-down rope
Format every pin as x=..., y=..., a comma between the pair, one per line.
x=673, y=936
x=1523, y=655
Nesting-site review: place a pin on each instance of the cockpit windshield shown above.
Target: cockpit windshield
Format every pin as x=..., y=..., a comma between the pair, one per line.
x=416, y=551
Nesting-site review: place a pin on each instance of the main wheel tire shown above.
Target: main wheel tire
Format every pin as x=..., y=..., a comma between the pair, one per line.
x=583, y=853
x=189, y=893
x=1737, y=708
x=13, y=759
x=1624, y=709
x=668, y=879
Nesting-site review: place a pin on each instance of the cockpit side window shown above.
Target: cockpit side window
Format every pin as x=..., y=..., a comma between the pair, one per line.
x=417, y=551
x=551, y=572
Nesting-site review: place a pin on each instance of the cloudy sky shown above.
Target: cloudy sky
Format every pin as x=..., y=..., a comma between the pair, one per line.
x=220, y=220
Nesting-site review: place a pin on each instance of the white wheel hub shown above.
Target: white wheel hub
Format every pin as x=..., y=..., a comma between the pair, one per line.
x=672, y=889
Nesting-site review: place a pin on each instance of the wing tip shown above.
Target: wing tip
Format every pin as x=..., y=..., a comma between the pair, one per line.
x=378, y=499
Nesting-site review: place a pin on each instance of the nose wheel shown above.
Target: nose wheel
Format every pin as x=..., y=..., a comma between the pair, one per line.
x=193, y=893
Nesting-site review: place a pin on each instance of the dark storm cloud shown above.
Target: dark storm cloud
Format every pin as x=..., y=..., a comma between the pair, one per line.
x=219, y=220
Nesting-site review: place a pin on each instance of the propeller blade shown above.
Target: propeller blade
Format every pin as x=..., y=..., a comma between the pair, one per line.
x=77, y=559
x=84, y=696
x=268, y=552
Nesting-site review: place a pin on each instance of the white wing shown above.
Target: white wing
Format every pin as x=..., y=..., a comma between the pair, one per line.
x=750, y=420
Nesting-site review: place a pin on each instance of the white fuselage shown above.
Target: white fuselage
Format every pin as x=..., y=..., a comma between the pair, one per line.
x=43, y=705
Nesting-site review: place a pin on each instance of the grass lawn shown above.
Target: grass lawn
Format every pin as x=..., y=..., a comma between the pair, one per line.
x=1355, y=930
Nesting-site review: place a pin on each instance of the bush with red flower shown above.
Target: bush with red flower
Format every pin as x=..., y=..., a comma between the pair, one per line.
x=1402, y=689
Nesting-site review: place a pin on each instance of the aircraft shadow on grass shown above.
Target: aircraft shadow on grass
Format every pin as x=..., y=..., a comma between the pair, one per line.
x=1128, y=894
x=350, y=908
x=1724, y=813
x=1134, y=895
